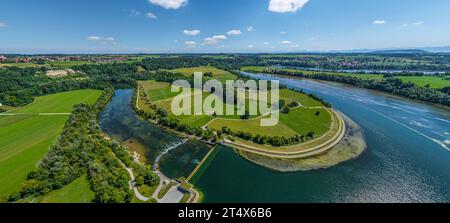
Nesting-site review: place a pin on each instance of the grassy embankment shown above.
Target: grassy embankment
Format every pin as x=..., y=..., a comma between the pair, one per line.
x=311, y=116
x=28, y=132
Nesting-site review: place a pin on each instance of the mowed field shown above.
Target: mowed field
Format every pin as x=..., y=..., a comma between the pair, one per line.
x=311, y=116
x=28, y=132
x=433, y=81
x=78, y=191
x=220, y=75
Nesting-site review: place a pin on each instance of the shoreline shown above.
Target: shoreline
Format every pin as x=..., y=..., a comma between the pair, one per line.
x=346, y=84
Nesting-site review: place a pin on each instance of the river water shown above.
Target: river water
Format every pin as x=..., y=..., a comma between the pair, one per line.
x=177, y=156
x=407, y=159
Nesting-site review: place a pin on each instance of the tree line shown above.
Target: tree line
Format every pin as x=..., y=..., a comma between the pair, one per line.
x=82, y=149
x=390, y=85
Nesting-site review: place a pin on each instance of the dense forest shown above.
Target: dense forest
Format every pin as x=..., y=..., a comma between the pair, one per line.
x=19, y=86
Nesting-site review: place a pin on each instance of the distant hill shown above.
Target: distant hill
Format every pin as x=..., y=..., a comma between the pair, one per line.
x=405, y=51
x=439, y=49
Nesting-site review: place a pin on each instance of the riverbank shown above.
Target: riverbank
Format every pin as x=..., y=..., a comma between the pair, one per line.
x=308, y=147
x=350, y=147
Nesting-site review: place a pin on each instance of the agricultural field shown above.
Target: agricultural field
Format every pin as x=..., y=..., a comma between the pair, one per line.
x=66, y=64
x=218, y=74
x=19, y=65
x=308, y=72
x=433, y=81
x=29, y=131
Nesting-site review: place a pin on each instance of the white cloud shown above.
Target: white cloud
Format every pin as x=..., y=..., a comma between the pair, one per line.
x=250, y=46
x=94, y=38
x=234, y=32
x=191, y=32
x=283, y=32
x=103, y=40
x=169, y=4
x=285, y=42
x=190, y=44
x=214, y=40
x=2, y=25
x=151, y=15
x=250, y=29
x=284, y=6
x=134, y=13
x=266, y=43
x=379, y=22
x=418, y=23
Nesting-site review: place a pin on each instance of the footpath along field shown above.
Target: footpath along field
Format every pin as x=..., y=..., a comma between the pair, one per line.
x=28, y=132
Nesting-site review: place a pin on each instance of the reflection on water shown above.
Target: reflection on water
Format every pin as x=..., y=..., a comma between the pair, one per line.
x=407, y=159
x=120, y=122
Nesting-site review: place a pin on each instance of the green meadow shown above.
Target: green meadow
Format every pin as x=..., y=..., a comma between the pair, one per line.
x=218, y=74
x=29, y=131
x=311, y=116
x=433, y=81
x=78, y=191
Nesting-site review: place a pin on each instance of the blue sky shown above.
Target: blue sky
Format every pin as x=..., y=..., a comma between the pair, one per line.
x=164, y=26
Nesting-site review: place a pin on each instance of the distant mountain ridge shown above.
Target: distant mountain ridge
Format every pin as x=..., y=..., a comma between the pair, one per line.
x=403, y=51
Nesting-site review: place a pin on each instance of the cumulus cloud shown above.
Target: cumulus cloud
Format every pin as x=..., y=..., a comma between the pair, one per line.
x=250, y=46
x=379, y=22
x=284, y=6
x=214, y=40
x=234, y=32
x=250, y=29
x=151, y=15
x=2, y=25
x=169, y=4
x=191, y=32
x=190, y=44
x=283, y=33
x=285, y=42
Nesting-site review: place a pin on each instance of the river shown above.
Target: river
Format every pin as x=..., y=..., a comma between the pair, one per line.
x=407, y=159
x=176, y=156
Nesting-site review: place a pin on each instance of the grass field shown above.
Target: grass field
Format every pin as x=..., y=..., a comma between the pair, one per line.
x=20, y=65
x=362, y=76
x=160, y=94
x=27, y=137
x=78, y=191
x=434, y=82
x=220, y=75
x=299, y=121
